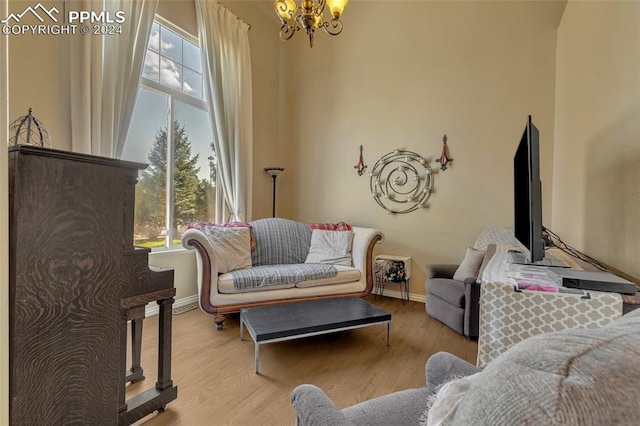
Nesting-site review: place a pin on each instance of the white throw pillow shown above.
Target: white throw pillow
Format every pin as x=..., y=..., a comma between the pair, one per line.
x=470, y=265
x=332, y=247
x=232, y=247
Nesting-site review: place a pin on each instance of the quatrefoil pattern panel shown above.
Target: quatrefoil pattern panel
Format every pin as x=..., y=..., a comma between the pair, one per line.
x=507, y=316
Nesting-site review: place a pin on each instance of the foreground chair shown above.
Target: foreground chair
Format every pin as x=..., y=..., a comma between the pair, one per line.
x=584, y=377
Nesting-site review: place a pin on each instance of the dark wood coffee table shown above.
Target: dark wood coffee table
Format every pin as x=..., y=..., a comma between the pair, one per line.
x=276, y=323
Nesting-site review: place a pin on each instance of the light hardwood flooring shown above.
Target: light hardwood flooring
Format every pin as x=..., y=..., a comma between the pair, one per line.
x=213, y=370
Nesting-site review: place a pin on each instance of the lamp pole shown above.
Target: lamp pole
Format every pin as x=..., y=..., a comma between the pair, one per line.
x=274, y=172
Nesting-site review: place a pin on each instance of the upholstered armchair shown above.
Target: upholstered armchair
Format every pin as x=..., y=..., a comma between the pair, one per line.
x=576, y=377
x=455, y=303
x=453, y=292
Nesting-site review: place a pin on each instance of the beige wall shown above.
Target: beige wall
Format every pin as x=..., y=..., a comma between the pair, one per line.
x=39, y=78
x=471, y=70
x=4, y=226
x=596, y=206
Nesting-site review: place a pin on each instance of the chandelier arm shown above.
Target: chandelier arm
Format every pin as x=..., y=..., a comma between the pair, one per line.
x=287, y=31
x=319, y=9
x=333, y=27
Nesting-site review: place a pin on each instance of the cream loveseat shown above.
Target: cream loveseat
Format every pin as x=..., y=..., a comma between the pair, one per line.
x=232, y=275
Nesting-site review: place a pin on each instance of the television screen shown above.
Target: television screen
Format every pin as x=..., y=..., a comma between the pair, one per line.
x=528, y=194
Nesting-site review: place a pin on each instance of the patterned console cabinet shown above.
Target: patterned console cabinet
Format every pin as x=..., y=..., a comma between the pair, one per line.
x=74, y=274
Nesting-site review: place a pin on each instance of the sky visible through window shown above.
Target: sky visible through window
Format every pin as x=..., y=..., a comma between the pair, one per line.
x=174, y=62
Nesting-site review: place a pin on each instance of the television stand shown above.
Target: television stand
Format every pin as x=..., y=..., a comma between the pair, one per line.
x=549, y=260
x=509, y=314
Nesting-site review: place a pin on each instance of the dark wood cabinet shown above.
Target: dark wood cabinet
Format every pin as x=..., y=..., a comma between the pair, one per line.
x=74, y=275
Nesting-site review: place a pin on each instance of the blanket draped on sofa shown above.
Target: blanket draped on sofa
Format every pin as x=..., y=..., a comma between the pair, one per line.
x=264, y=276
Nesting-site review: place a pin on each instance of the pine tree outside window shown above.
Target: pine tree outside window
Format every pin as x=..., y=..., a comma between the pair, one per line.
x=170, y=132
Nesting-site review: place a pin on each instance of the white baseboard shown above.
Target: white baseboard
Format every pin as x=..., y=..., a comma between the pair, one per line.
x=154, y=309
x=396, y=294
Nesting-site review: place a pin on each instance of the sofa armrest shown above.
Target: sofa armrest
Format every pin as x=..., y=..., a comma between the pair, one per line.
x=194, y=239
x=364, y=240
x=441, y=270
x=313, y=407
x=443, y=366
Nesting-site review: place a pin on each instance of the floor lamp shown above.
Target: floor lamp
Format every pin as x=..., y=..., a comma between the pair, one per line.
x=274, y=172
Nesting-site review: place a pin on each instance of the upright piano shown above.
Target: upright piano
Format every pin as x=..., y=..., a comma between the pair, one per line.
x=75, y=282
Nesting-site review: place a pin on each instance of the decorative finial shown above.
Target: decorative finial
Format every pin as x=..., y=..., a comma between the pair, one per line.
x=444, y=159
x=360, y=166
x=28, y=130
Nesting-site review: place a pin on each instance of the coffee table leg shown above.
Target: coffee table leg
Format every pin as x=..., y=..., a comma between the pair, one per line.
x=388, y=332
x=241, y=328
x=257, y=356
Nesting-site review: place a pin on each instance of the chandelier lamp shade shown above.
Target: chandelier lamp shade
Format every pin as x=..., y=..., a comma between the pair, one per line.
x=309, y=16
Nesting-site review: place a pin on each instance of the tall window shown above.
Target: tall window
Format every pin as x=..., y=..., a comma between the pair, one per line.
x=170, y=131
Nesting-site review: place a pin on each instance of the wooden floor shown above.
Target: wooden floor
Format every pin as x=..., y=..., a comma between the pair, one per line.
x=213, y=370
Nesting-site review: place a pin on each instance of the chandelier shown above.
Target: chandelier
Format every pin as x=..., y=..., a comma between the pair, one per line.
x=308, y=16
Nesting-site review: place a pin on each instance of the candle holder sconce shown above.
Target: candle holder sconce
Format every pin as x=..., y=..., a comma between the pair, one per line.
x=401, y=181
x=444, y=159
x=360, y=167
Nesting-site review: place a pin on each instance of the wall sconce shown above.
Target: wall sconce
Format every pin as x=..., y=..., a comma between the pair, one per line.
x=274, y=172
x=444, y=159
x=360, y=166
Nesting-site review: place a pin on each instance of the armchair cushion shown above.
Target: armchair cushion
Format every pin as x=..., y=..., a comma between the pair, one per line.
x=449, y=290
x=470, y=265
x=441, y=270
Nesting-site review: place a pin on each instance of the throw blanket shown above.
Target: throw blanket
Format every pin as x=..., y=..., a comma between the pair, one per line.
x=266, y=275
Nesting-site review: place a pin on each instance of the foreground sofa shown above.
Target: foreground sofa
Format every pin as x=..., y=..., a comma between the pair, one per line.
x=281, y=247
x=587, y=377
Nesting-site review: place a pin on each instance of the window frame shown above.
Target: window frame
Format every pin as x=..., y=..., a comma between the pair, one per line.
x=174, y=96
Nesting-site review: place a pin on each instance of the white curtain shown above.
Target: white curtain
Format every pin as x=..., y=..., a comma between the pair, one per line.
x=105, y=72
x=224, y=42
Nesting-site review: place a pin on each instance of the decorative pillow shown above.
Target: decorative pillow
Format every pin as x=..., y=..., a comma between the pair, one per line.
x=470, y=265
x=340, y=226
x=333, y=247
x=201, y=226
x=231, y=247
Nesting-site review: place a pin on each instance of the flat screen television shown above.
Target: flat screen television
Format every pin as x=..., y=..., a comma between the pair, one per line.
x=527, y=195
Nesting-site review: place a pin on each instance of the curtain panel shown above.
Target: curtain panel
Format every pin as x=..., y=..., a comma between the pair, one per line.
x=226, y=61
x=105, y=72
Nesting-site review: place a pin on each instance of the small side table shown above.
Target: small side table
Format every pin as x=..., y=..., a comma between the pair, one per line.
x=381, y=275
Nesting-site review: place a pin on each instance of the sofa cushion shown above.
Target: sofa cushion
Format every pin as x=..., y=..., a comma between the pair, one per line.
x=332, y=247
x=449, y=290
x=280, y=241
x=572, y=377
x=346, y=274
x=268, y=277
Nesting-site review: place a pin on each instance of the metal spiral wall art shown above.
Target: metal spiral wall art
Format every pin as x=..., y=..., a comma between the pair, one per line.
x=401, y=181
